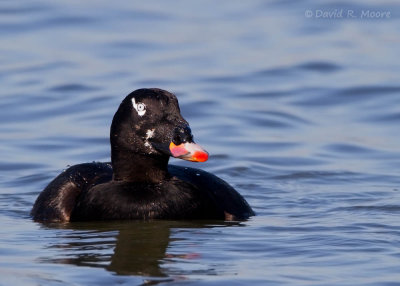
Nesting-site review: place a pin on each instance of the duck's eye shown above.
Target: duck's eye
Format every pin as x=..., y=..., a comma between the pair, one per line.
x=139, y=107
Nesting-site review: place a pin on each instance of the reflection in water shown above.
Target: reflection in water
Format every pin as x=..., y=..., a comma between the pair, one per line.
x=139, y=250
x=125, y=248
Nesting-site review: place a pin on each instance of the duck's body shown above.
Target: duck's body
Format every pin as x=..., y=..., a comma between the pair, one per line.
x=139, y=183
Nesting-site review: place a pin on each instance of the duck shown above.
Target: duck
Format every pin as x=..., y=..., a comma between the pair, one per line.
x=139, y=183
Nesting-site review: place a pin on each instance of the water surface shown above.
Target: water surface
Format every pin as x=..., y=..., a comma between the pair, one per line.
x=300, y=114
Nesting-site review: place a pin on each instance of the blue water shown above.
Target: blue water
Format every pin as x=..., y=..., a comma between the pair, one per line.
x=300, y=113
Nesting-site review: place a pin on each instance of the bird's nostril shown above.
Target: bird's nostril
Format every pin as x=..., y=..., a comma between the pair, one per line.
x=182, y=134
x=177, y=140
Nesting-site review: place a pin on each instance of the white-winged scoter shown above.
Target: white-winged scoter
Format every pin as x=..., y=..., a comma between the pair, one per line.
x=138, y=183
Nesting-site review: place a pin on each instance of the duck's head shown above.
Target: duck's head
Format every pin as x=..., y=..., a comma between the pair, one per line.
x=149, y=123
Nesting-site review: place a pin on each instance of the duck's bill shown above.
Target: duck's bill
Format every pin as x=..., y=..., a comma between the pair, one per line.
x=188, y=151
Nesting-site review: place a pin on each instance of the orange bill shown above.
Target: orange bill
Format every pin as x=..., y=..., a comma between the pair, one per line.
x=188, y=151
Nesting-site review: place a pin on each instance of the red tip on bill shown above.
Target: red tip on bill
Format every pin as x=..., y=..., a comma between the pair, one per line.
x=188, y=151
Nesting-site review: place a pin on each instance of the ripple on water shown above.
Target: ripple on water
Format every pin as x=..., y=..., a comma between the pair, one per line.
x=297, y=69
x=271, y=119
x=349, y=95
x=13, y=166
x=320, y=66
x=31, y=180
x=324, y=177
x=388, y=118
x=347, y=150
x=32, y=68
x=73, y=87
x=371, y=209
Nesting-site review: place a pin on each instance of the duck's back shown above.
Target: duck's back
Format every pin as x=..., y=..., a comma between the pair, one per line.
x=170, y=199
x=58, y=199
x=87, y=192
x=225, y=198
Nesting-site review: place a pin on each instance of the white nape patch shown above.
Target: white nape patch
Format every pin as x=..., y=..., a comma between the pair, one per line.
x=149, y=134
x=139, y=107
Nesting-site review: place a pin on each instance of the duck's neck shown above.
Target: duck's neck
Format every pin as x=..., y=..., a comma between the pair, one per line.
x=133, y=167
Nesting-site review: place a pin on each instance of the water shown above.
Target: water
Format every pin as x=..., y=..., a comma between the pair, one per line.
x=300, y=114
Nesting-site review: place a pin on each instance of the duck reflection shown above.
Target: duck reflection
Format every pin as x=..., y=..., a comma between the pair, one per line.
x=124, y=248
x=139, y=250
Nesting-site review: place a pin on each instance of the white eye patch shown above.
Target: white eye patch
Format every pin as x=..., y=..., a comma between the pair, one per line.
x=139, y=107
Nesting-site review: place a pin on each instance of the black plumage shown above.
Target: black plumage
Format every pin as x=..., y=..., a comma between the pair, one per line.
x=138, y=183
